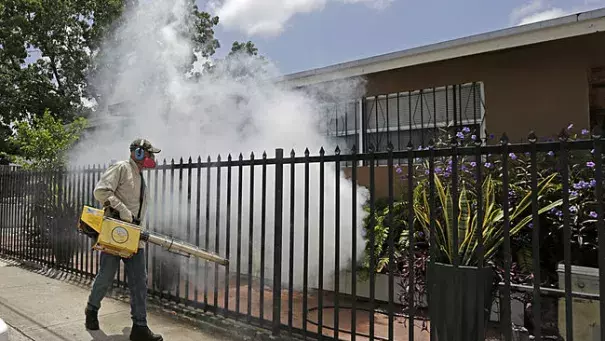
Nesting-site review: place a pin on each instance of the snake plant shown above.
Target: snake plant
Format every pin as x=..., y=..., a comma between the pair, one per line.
x=492, y=220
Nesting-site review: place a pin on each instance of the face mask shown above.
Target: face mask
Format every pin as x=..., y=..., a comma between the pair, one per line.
x=149, y=163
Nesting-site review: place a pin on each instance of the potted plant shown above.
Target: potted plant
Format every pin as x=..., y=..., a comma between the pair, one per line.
x=453, y=289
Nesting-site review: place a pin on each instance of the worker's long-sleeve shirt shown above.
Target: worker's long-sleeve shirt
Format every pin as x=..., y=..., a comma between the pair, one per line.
x=121, y=183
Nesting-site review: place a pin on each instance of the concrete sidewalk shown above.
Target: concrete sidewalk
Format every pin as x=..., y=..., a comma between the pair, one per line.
x=37, y=307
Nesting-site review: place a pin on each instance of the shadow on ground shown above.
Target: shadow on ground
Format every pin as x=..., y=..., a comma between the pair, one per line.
x=99, y=335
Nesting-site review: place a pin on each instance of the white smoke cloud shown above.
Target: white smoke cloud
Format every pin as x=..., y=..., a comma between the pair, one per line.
x=221, y=114
x=270, y=17
x=540, y=10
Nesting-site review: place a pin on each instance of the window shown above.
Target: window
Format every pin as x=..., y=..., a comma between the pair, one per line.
x=597, y=97
x=341, y=122
x=417, y=116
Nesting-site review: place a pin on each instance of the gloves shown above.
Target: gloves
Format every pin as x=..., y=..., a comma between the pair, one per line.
x=125, y=214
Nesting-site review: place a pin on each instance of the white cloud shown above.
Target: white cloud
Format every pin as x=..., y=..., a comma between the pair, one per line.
x=540, y=10
x=548, y=14
x=270, y=17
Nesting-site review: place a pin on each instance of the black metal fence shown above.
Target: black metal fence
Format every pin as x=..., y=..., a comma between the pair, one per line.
x=439, y=248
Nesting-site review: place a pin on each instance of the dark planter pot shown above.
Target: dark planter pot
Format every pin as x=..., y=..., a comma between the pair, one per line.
x=454, y=300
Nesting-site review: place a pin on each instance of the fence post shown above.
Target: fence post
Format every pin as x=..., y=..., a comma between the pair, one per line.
x=277, y=241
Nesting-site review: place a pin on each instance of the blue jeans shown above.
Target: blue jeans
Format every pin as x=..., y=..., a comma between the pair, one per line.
x=136, y=275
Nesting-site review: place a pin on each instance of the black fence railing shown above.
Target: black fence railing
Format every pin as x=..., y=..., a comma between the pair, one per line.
x=442, y=247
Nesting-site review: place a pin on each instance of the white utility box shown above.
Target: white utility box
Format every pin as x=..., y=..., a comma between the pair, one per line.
x=585, y=312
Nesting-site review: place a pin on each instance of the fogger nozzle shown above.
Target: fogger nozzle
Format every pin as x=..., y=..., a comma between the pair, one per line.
x=185, y=249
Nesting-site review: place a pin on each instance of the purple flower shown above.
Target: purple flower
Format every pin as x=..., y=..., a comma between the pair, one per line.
x=488, y=165
x=466, y=130
x=585, y=131
x=531, y=225
x=593, y=214
x=473, y=137
x=557, y=212
x=551, y=153
x=463, y=167
x=427, y=172
x=491, y=136
x=593, y=183
x=581, y=185
x=590, y=164
x=460, y=135
x=438, y=170
x=398, y=170
x=570, y=127
x=473, y=164
x=512, y=156
x=573, y=209
x=574, y=193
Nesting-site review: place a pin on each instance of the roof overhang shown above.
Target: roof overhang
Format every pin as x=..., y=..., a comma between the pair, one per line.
x=555, y=29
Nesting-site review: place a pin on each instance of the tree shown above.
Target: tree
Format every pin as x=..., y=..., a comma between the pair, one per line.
x=45, y=140
x=71, y=38
x=246, y=48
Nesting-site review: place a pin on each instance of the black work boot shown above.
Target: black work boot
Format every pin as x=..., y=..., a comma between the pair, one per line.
x=92, y=319
x=142, y=333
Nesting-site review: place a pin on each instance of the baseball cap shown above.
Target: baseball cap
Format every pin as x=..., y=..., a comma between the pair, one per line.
x=145, y=144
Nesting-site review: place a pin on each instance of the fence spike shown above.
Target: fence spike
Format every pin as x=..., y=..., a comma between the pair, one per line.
x=199, y=159
x=229, y=158
x=337, y=150
x=241, y=156
x=172, y=162
x=292, y=153
x=454, y=140
x=390, y=146
x=532, y=137
x=410, y=145
x=251, y=155
x=354, y=149
x=307, y=152
x=597, y=132
x=504, y=139
x=477, y=141
x=563, y=135
x=209, y=159
x=322, y=151
x=264, y=154
x=164, y=162
x=371, y=148
x=190, y=160
x=181, y=161
x=218, y=158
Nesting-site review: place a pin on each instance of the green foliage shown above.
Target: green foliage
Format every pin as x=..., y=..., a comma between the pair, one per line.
x=246, y=48
x=63, y=34
x=45, y=141
x=67, y=43
x=490, y=222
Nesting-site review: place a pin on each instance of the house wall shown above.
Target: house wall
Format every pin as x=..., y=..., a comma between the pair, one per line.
x=543, y=87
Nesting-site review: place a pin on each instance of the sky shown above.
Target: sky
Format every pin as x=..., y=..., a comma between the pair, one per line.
x=299, y=35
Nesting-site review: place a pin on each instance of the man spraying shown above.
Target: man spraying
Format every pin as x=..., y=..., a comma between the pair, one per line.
x=121, y=190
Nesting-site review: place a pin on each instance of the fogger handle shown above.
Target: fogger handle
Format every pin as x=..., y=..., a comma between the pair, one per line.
x=175, y=246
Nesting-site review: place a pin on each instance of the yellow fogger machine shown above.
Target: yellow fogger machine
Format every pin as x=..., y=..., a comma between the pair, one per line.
x=120, y=238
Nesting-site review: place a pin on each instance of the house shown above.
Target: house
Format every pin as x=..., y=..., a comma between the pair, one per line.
x=540, y=77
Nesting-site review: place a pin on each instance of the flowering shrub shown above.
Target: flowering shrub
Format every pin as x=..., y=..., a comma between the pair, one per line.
x=582, y=211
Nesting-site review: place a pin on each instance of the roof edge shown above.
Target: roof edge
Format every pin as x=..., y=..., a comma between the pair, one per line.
x=340, y=70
